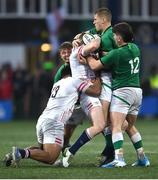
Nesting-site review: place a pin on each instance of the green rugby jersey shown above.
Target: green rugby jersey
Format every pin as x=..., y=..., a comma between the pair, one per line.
x=125, y=65
x=107, y=40
x=57, y=76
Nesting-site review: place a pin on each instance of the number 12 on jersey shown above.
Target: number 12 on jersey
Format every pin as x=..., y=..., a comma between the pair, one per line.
x=134, y=65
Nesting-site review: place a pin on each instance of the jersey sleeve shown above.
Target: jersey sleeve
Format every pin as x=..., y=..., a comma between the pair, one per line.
x=57, y=76
x=110, y=58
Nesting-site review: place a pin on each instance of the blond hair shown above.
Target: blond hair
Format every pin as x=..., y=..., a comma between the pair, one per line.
x=104, y=12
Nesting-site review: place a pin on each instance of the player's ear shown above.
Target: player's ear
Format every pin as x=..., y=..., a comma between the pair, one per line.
x=104, y=20
x=119, y=38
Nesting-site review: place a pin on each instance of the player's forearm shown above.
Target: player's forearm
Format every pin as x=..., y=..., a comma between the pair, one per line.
x=91, y=47
x=94, y=64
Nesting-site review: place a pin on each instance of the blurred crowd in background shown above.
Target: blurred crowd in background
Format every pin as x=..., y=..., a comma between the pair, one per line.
x=29, y=92
x=33, y=31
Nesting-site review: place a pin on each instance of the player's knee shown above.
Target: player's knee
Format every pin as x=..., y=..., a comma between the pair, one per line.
x=100, y=127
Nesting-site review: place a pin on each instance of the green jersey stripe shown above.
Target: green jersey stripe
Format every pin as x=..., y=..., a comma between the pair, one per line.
x=106, y=85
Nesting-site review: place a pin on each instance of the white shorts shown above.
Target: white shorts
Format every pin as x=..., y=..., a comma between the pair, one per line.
x=50, y=131
x=89, y=102
x=126, y=100
x=106, y=92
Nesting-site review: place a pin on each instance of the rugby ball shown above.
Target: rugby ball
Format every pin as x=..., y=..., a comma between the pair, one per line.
x=87, y=38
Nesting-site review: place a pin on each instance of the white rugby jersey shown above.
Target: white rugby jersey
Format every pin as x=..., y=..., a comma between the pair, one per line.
x=63, y=97
x=79, y=70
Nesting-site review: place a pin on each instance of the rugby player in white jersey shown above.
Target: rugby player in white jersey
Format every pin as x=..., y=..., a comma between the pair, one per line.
x=91, y=105
x=78, y=115
x=50, y=125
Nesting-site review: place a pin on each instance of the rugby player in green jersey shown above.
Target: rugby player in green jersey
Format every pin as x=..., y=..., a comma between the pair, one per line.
x=124, y=63
x=64, y=53
x=102, y=22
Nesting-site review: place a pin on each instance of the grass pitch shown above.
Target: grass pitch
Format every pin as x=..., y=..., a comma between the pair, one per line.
x=22, y=134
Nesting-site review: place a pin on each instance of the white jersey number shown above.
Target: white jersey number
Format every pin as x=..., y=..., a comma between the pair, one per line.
x=134, y=65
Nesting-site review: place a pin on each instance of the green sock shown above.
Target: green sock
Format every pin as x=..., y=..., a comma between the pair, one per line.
x=138, y=145
x=109, y=148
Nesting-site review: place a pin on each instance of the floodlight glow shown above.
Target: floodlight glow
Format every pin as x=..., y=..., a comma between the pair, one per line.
x=45, y=47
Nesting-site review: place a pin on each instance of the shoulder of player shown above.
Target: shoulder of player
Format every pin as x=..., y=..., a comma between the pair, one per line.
x=130, y=46
x=61, y=67
x=134, y=46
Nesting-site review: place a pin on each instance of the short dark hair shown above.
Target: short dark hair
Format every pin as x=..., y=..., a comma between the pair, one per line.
x=125, y=30
x=66, y=71
x=104, y=12
x=65, y=45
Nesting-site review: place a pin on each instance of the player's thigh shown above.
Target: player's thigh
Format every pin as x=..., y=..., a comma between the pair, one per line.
x=50, y=131
x=120, y=102
x=119, y=108
x=105, y=106
x=88, y=103
x=53, y=132
x=137, y=95
x=125, y=101
x=106, y=93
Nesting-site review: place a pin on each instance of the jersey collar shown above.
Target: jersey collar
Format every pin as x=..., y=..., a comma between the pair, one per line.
x=106, y=30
